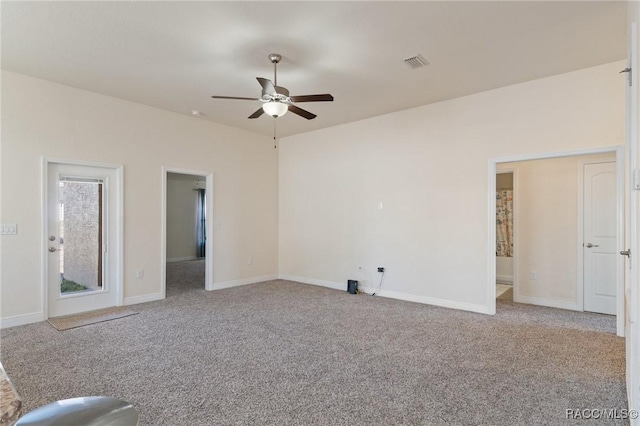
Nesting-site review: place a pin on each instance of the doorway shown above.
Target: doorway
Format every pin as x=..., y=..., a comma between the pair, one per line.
x=187, y=233
x=505, y=234
x=83, y=244
x=549, y=256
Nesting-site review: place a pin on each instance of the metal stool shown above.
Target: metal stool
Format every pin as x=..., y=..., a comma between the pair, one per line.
x=83, y=411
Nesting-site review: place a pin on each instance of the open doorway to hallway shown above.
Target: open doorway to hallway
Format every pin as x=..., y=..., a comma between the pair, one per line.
x=186, y=248
x=567, y=227
x=186, y=232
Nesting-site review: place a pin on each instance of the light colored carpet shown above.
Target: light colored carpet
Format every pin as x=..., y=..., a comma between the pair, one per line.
x=87, y=318
x=283, y=353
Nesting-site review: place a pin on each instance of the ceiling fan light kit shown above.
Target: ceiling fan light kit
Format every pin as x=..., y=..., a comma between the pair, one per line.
x=275, y=108
x=276, y=100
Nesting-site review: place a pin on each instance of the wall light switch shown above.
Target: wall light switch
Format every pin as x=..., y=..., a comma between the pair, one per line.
x=380, y=205
x=9, y=229
x=139, y=273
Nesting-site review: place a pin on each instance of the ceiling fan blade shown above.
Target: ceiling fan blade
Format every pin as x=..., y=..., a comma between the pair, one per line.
x=301, y=112
x=267, y=86
x=313, y=98
x=257, y=114
x=235, y=97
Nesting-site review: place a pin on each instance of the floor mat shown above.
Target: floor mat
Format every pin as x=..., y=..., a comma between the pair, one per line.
x=87, y=318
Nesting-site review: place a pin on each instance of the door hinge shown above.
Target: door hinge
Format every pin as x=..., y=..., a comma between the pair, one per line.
x=628, y=71
x=627, y=253
x=104, y=248
x=636, y=180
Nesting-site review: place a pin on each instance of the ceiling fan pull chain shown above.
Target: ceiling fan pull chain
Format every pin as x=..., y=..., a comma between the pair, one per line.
x=275, y=141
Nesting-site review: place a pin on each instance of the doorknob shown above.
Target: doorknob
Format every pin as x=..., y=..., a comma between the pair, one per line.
x=52, y=249
x=626, y=253
x=589, y=245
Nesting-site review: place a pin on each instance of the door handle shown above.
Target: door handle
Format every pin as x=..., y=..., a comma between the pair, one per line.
x=589, y=245
x=626, y=253
x=52, y=249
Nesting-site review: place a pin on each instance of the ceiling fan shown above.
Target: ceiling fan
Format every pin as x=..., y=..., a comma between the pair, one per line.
x=276, y=100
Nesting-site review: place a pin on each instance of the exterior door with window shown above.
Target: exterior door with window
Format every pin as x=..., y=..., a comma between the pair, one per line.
x=81, y=239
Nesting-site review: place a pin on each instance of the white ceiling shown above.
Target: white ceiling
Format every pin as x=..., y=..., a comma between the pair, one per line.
x=175, y=55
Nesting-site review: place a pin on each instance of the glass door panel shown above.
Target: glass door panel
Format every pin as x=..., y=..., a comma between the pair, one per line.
x=80, y=235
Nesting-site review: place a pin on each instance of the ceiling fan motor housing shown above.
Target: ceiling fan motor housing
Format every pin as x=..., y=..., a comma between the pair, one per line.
x=275, y=58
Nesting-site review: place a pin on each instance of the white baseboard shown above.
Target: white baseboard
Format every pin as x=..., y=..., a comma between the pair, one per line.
x=134, y=300
x=551, y=303
x=393, y=295
x=330, y=284
x=444, y=303
x=504, y=279
x=243, y=281
x=21, y=320
x=182, y=259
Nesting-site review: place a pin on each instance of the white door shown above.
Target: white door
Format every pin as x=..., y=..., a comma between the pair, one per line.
x=81, y=235
x=632, y=218
x=599, y=245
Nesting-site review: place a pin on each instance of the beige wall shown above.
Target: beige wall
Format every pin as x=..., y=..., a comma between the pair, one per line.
x=181, y=216
x=546, y=229
x=40, y=118
x=431, y=234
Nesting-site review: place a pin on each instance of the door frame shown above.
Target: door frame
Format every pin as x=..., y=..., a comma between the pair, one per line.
x=618, y=150
x=117, y=245
x=208, y=256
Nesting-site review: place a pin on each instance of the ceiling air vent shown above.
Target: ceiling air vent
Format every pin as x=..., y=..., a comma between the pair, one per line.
x=416, y=61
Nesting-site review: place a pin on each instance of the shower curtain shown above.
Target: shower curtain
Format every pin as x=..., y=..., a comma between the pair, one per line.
x=504, y=223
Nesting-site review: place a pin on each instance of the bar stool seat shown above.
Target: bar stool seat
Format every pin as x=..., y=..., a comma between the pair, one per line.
x=83, y=411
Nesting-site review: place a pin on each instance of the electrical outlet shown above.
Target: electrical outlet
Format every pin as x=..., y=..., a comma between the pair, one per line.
x=9, y=229
x=380, y=269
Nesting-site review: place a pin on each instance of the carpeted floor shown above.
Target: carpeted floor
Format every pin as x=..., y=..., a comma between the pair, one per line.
x=282, y=353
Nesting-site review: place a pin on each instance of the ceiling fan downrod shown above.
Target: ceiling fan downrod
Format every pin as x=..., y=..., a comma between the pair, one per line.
x=275, y=58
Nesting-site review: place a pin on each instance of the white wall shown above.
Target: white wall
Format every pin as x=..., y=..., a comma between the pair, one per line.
x=182, y=203
x=40, y=118
x=546, y=229
x=431, y=234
